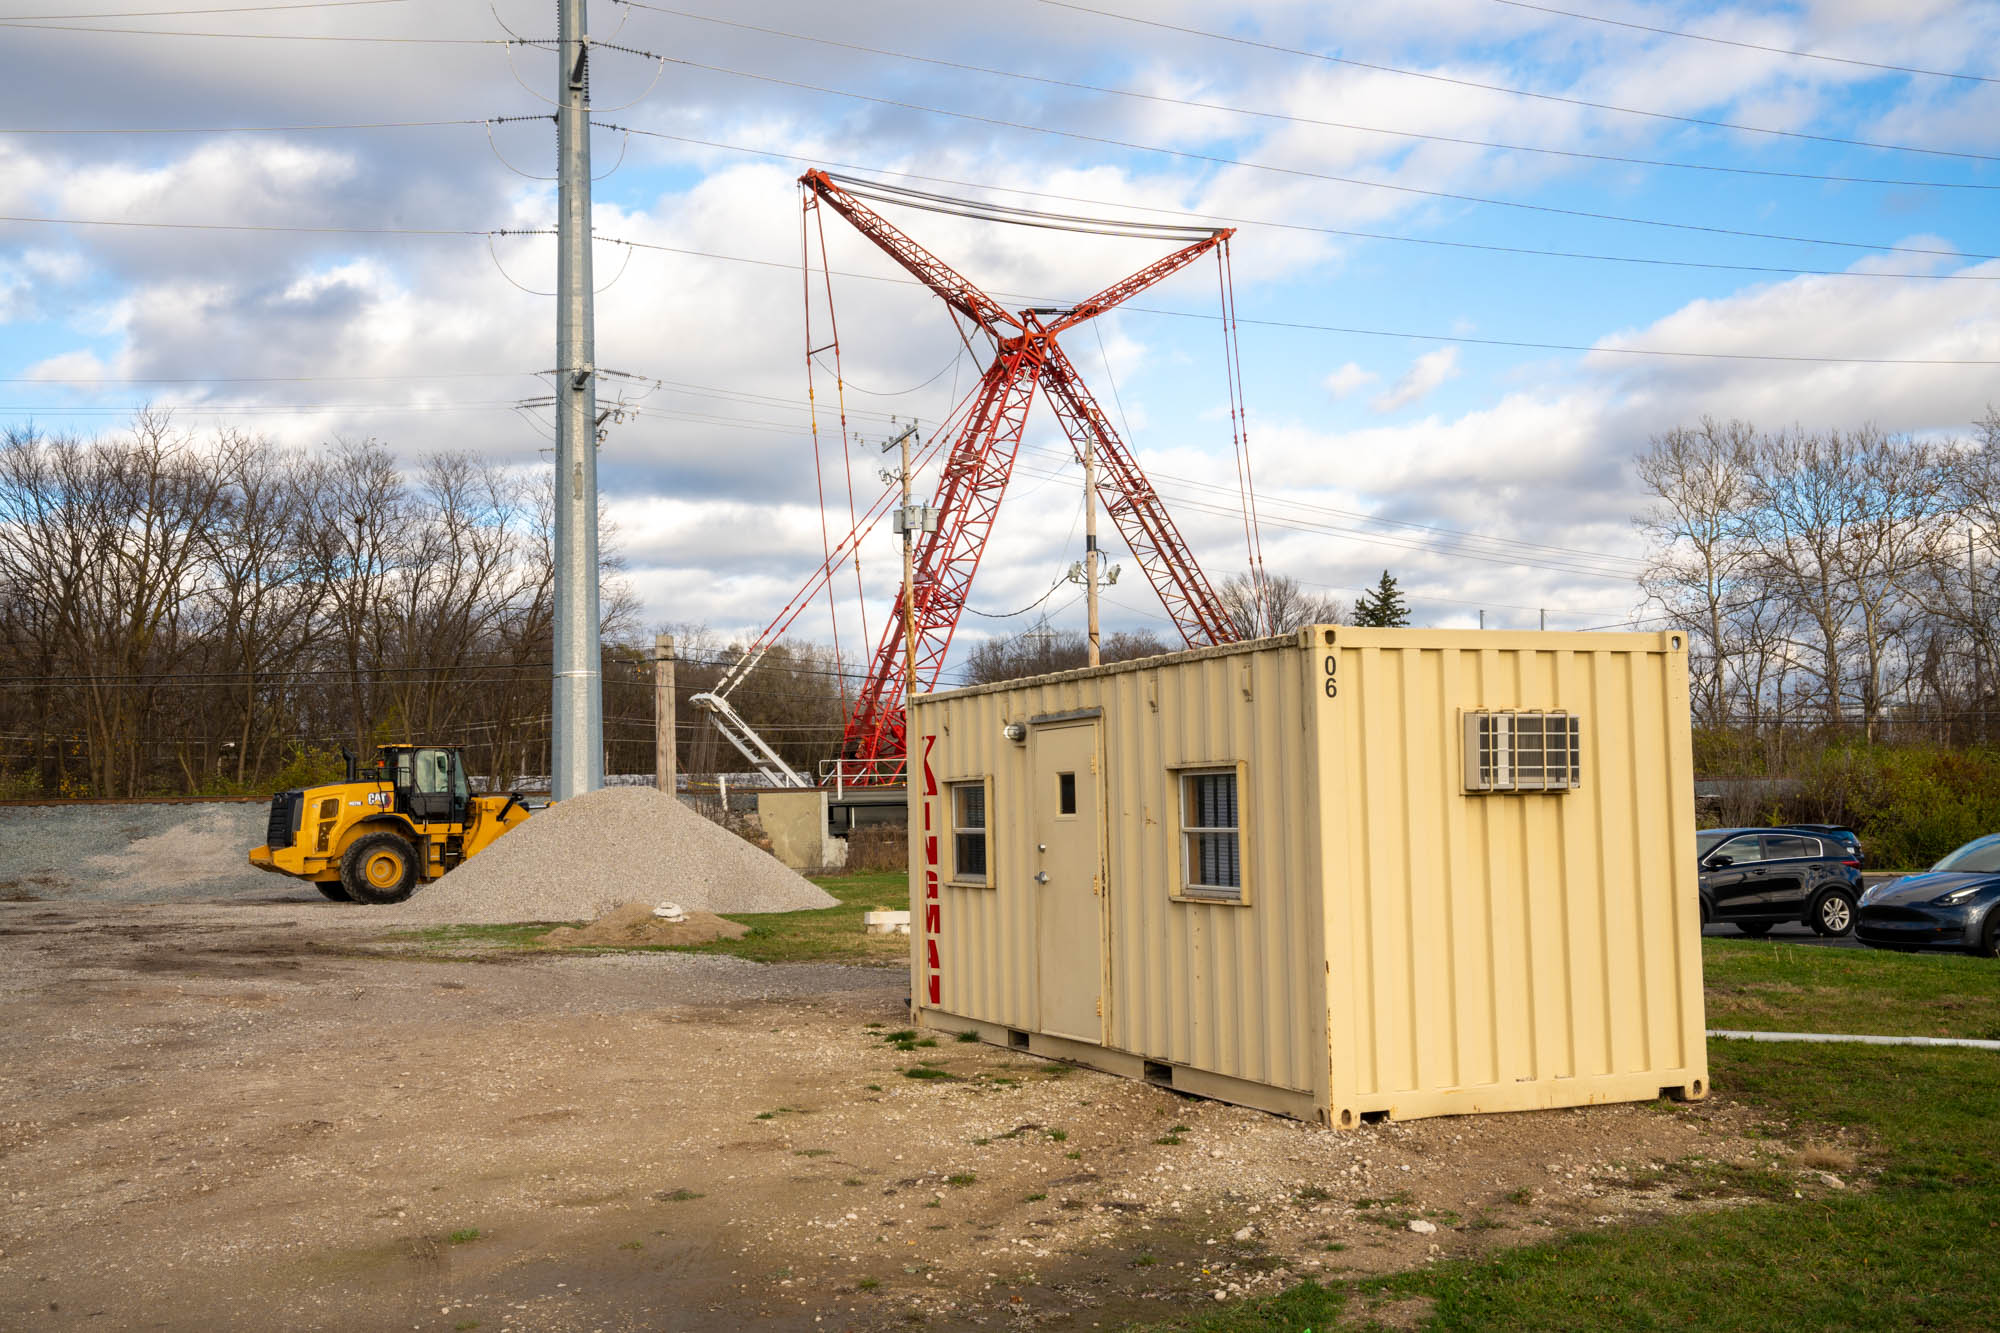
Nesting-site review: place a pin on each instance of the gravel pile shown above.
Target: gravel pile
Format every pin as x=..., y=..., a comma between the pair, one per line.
x=636, y=924
x=579, y=859
x=133, y=853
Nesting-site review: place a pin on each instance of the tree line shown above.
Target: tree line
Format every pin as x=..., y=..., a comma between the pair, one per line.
x=1839, y=580
x=210, y=613
x=192, y=613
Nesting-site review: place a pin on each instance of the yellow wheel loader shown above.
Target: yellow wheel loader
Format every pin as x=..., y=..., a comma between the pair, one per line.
x=372, y=839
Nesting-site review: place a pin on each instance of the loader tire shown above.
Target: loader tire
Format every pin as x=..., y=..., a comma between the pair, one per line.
x=333, y=889
x=380, y=868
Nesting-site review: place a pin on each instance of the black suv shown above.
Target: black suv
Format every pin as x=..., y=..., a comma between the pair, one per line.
x=1755, y=879
x=1839, y=833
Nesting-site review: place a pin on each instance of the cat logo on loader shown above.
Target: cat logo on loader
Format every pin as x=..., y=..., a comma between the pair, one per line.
x=375, y=837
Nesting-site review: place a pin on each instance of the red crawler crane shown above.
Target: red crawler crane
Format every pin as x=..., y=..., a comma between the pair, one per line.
x=980, y=458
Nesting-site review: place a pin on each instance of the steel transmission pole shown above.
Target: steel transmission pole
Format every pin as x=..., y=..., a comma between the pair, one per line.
x=577, y=717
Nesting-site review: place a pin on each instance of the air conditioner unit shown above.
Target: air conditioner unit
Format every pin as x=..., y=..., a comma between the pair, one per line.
x=1523, y=751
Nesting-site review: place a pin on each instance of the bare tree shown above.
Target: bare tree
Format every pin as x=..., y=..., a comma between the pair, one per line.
x=261, y=594
x=1286, y=602
x=1701, y=482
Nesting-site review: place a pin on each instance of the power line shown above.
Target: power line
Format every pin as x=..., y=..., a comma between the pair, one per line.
x=1512, y=92
x=179, y=13
x=285, y=129
x=1163, y=99
x=248, y=226
x=1301, y=172
x=770, y=400
x=1182, y=503
x=263, y=379
x=1455, y=533
x=1488, y=247
x=1747, y=46
x=1296, y=325
x=273, y=409
x=23, y=26
x=1355, y=331
x=239, y=9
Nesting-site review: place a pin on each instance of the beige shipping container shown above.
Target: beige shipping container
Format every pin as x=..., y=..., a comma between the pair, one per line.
x=1340, y=875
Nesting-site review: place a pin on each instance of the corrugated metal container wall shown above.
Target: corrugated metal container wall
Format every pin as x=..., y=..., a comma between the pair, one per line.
x=1228, y=989
x=1396, y=941
x=1504, y=951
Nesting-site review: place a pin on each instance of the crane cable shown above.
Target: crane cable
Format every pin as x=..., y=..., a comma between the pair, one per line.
x=1239, y=434
x=840, y=394
x=808, y=203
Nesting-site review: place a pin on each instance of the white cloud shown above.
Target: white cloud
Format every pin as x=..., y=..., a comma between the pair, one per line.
x=1350, y=378
x=713, y=484
x=1426, y=373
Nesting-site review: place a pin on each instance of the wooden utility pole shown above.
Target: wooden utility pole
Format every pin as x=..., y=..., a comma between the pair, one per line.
x=909, y=521
x=1090, y=544
x=665, y=765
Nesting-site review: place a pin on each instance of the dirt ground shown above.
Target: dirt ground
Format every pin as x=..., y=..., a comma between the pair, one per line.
x=257, y=1117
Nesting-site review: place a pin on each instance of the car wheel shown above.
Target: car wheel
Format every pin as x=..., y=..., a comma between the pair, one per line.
x=380, y=868
x=1989, y=938
x=333, y=889
x=1756, y=930
x=1832, y=914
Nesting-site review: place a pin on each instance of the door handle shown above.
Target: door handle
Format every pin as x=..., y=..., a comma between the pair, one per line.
x=1041, y=877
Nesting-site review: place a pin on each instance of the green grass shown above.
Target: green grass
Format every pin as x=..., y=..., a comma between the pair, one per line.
x=1914, y=1252
x=1912, y=1248
x=828, y=935
x=1756, y=985
x=465, y=1237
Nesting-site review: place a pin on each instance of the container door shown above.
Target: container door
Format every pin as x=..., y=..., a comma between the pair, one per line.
x=1067, y=882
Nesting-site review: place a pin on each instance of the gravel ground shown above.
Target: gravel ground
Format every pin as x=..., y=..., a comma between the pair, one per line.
x=223, y=1117
x=133, y=853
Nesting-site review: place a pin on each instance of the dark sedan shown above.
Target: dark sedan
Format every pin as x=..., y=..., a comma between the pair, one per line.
x=1956, y=902
x=1755, y=879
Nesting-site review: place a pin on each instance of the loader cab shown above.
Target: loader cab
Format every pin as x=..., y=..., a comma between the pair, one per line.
x=429, y=782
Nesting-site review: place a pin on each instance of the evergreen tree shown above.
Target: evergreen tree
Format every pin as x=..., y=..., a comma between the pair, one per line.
x=1383, y=607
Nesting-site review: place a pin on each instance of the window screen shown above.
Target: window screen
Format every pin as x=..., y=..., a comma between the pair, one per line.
x=1523, y=752
x=1211, y=848
x=968, y=832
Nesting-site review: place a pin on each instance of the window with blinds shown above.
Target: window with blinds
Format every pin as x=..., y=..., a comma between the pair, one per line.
x=968, y=832
x=1516, y=752
x=1211, y=839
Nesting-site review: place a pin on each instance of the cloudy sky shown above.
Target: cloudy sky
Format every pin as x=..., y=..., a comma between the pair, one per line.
x=1484, y=251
